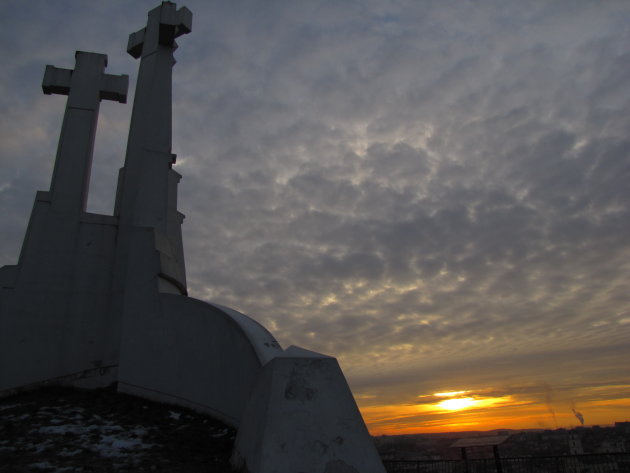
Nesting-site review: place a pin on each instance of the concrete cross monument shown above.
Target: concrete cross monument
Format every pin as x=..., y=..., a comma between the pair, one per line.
x=101, y=299
x=147, y=184
x=85, y=87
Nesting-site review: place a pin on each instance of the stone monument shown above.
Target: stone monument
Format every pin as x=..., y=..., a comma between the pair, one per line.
x=101, y=299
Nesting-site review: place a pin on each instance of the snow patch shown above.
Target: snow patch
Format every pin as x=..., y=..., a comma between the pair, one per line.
x=10, y=406
x=41, y=466
x=62, y=429
x=69, y=453
x=113, y=446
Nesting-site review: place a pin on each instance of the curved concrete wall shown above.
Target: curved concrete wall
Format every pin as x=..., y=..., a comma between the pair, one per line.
x=195, y=354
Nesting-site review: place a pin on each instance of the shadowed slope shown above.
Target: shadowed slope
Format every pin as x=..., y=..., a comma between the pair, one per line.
x=68, y=429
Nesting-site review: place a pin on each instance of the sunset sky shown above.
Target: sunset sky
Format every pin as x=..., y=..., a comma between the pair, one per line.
x=437, y=193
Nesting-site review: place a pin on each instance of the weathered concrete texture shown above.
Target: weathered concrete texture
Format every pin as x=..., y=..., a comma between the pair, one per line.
x=194, y=354
x=55, y=318
x=85, y=87
x=302, y=418
x=147, y=190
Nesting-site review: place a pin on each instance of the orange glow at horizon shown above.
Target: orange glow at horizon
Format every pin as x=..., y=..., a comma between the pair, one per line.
x=450, y=394
x=475, y=412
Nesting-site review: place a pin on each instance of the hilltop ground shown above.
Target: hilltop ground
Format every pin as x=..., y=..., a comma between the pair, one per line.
x=59, y=429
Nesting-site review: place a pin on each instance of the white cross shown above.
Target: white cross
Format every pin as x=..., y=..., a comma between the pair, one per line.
x=86, y=85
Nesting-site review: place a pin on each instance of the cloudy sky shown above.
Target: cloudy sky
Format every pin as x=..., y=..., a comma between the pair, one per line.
x=435, y=192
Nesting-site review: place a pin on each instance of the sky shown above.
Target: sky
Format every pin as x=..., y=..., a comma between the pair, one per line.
x=437, y=193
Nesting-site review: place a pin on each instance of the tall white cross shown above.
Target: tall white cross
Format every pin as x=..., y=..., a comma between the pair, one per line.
x=143, y=189
x=85, y=87
x=147, y=186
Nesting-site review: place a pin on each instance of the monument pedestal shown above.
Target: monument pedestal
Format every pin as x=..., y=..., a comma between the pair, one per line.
x=302, y=417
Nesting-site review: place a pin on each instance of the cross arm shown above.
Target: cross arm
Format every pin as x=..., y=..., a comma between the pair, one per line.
x=57, y=80
x=174, y=23
x=183, y=21
x=114, y=87
x=87, y=84
x=136, y=41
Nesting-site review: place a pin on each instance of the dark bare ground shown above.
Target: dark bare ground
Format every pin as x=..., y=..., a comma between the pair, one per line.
x=60, y=429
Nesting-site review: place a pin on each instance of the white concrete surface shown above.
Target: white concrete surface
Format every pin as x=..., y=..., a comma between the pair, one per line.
x=194, y=352
x=302, y=418
x=55, y=319
x=85, y=87
x=147, y=191
x=264, y=344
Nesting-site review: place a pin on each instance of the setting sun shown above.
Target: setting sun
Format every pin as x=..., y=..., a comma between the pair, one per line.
x=458, y=403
